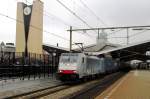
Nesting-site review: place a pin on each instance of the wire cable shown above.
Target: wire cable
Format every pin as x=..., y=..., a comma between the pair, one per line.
x=48, y=15
x=98, y=18
x=73, y=13
x=37, y=28
x=78, y=17
x=138, y=33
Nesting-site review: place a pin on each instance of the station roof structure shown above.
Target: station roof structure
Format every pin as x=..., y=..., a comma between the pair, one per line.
x=97, y=48
x=128, y=52
x=51, y=48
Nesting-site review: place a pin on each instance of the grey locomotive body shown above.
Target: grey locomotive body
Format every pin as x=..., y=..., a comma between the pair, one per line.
x=80, y=65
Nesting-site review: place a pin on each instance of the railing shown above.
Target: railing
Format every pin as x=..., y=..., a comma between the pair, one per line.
x=17, y=65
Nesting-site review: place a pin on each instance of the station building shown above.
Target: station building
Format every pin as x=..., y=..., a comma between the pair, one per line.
x=29, y=27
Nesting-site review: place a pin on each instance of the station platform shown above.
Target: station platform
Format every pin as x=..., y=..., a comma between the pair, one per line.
x=134, y=85
x=17, y=86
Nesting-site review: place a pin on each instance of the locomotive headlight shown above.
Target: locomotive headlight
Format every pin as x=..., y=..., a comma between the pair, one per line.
x=75, y=71
x=60, y=71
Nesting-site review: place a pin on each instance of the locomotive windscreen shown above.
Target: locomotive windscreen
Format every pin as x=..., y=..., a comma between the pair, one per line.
x=69, y=58
x=69, y=54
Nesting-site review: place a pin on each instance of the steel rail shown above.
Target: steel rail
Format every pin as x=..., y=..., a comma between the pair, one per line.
x=33, y=94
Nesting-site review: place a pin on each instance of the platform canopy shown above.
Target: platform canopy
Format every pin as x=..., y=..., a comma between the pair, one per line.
x=54, y=49
x=128, y=52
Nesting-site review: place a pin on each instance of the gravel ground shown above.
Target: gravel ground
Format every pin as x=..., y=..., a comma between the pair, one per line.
x=68, y=91
x=63, y=93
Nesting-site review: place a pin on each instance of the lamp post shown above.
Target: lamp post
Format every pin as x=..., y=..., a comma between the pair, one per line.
x=2, y=47
x=54, y=54
x=53, y=61
x=1, y=55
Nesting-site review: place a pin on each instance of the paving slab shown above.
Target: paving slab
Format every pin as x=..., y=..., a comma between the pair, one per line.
x=17, y=86
x=135, y=85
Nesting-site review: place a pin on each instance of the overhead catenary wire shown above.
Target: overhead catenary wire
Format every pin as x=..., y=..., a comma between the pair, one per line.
x=48, y=14
x=40, y=11
x=108, y=28
x=85, y=31
x=138, y=33
x=86, y=6
x=115, y=32
x=37, y=28
x=97, y=17
x=72, y=12
x=68, y=24
x=129, y=35
x=117, y=37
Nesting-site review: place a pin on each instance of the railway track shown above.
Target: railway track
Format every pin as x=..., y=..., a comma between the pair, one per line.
x=39, y=93
x=87, y=90
x=72, y=91
x=92, y=91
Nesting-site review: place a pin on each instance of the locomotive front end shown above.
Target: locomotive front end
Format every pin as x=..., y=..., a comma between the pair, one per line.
x=67, y=69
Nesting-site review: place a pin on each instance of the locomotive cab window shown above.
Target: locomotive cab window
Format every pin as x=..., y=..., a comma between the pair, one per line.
x=69, y=58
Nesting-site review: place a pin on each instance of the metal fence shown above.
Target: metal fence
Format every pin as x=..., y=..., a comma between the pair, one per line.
x=17, y=65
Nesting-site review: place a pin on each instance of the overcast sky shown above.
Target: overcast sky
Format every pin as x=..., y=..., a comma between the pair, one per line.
x=57, y=19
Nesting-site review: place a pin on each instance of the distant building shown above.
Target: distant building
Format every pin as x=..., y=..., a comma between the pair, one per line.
x=8, y=47
x=29, y=27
